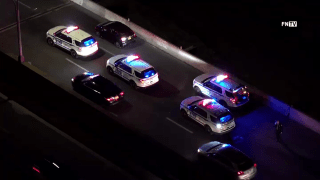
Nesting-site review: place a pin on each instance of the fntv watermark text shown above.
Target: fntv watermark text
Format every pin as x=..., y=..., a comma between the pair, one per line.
x=290, y=24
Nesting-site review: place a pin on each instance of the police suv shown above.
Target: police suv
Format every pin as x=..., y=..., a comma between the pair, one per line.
x=73, y=39
x=210, y=114
x=221, y=88
x=133, y=69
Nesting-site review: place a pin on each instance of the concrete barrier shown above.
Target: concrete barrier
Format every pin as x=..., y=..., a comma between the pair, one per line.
x=198, y=63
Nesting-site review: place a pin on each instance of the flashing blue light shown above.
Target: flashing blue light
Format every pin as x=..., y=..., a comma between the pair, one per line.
x=88, y=42
x=226, y=145
x=146, y=76
x=225, y=118
x=88, y=73
x=244, y=97
x=149, y=73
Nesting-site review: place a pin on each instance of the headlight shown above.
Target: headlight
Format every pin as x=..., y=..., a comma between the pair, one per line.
x=199, y=150
x=72, y=79
x=218, y=126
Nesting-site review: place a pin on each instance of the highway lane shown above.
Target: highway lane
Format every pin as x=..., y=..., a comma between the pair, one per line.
x=154, y=112
x=27, y=8
x=24, y=138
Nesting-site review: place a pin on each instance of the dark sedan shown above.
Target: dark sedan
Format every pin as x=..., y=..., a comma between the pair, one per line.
x=115, y=32
x=97, y=87
x=229, y=158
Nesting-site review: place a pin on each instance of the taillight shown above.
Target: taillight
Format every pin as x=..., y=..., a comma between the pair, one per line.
x=142, y=80
x=36, y=169
x=233, y=100
x=110, y=99
x=255, y=165
x=240, y=173
x=122, y=93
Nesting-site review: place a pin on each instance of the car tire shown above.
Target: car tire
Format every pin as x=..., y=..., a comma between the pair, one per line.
x=50, y=42
x=208, y=129
x=184, y=113
x=74, y=54
x=118, y=45
x=223, y=103
x=133, y=84
x=197, y=89
x=110, y=70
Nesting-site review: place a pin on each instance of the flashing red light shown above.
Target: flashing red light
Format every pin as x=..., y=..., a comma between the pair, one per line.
x=233, y=100
x=122, y=93
x=255, y=165
x=36, y=169
x=71, y=28
x=240, y=173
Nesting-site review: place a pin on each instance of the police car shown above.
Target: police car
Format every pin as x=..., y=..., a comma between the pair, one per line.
x=133, y=69
x=210, y=114
x=221, y=88
x=73, y=39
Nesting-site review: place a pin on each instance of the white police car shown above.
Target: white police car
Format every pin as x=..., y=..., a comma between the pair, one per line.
x=133, y=69
x=221, y=88
x=73, y=39
x=210, y=114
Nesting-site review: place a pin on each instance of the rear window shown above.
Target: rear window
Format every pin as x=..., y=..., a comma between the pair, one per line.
x=225, y=117
x=146, y=73
x=237, y=157
x=87, y=42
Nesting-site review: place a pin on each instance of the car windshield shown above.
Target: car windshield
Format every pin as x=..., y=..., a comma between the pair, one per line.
x=225, y=117
x=87, y=42
x=146, y=73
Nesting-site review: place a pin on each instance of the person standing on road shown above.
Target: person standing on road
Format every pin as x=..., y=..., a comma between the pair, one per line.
x=278, y=126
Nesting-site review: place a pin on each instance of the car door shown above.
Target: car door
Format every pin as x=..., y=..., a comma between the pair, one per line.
x=104, y=32
x=200, y=115
x=118, y=69
x=58, y=39
x=126, y=71
x=214, y=90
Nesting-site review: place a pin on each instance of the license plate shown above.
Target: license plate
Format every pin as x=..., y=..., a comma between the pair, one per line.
x=129, y=37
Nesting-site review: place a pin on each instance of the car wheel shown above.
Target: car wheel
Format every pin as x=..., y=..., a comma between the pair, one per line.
x=208, y=129
x=133, y=84
x=98, y=34
x=223, y=103
x=184, y=113
x=197, y=89
x=118, y=45
x=74, y=54
x=50, y=42
x=110, y=70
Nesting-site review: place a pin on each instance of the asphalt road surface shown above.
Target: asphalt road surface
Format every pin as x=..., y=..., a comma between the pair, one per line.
x=155, y=111
x=24, y=138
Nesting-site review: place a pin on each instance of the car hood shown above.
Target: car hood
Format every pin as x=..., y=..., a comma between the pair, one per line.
x=202, y=77
x=55, y=29
x=189, y=100
x=115, y=58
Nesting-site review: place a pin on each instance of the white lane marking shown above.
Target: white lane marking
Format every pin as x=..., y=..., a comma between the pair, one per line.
x=116, y=115
x=4, y=130
x=106, y=51
x=66, y=136
x=77, y=65
x=25, y=5
x=179, y=125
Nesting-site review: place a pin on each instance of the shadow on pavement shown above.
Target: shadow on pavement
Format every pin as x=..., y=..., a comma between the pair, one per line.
x=161, y=90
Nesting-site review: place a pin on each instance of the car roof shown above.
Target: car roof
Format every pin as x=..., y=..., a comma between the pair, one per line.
x=137, y=64
x=77, y=34
x=211, y=106
x=118, y=26
x=226, y=83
